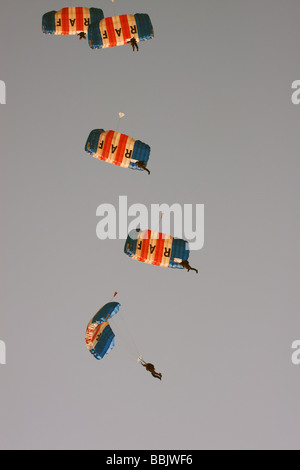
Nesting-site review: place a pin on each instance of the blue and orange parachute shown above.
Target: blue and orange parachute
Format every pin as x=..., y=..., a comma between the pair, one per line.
x=118, y=149
x=99, y=337
x=70, y=20
x=157, y=248
x=119, y=30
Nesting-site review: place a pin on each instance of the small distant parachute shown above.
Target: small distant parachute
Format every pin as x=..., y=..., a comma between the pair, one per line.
x=157, y=248
x=118, y=149
x=99, y=337
x=70, y=20
x=119, y=30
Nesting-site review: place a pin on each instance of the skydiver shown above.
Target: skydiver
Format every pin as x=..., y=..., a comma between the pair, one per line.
x=150, y=367
x=82, y=35
x=133, y=43
x=185, y=264
x=142, y=165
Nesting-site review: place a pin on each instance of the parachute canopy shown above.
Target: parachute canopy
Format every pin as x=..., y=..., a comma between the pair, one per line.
x=118, y=30
x=116, y=148
x=156, y=248
x=70, y=20
x=99, y=337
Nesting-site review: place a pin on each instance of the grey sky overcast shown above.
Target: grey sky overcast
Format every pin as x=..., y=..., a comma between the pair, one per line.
x=211, y=95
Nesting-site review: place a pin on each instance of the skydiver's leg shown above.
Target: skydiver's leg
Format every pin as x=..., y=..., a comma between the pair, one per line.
x=194, y=269
x=156, y=375
x=142, y=166
x=186, y=265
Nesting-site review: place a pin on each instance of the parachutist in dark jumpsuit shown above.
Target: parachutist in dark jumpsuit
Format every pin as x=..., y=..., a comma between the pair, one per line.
x=82, y=35
x=150, y=367
x=142, y=165
x=185, y=264
x=133, y=43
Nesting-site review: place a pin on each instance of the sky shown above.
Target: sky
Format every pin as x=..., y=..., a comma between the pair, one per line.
x=211, y=95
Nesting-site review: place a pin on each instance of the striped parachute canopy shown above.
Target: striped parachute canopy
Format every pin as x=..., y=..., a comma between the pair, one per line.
x=118, y=30
x=70, y=20
x=116, y=148
x=156, y=248
x=99, y=337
